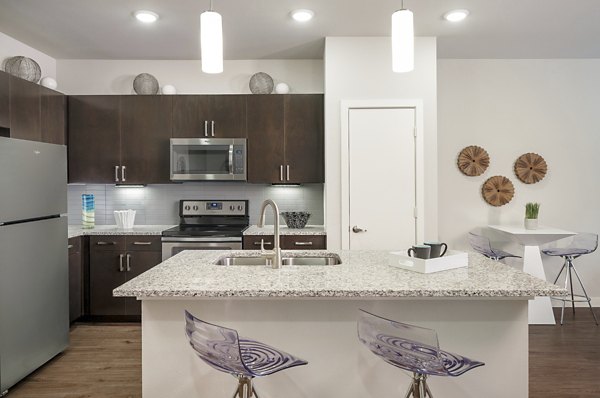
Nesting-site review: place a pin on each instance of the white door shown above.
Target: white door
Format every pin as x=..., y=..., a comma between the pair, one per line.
x=382, y=182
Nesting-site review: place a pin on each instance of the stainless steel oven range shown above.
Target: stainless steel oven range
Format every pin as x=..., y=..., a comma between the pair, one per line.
x=207, y=225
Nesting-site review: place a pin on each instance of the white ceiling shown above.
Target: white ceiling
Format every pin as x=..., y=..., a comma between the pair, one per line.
x=262, y=29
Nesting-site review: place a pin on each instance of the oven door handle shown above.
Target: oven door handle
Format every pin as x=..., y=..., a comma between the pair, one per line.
x=231, y=159
x=200, y=240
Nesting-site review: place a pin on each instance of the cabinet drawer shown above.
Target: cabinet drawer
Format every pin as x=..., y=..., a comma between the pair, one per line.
x=107, y=243
x=304, y=242
x=143, y=243
x=252, y=242
x=74, y=245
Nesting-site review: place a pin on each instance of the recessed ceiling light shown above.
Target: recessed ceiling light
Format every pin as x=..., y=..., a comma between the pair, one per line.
x=303, y=15
x=145, y=16
x=456, y=15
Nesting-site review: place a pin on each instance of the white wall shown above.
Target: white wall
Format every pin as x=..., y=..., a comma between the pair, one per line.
x=360, y=68
x=10, y=47
x=511, y=107
x=80, y=77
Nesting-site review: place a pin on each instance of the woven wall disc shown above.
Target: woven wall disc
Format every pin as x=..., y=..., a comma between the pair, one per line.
x=531, y=168
x=473, y=161
x=498, y=191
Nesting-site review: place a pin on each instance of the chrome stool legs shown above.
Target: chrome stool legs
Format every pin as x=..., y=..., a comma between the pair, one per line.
x=419, y=387
x=245, y=389
x=569, y=269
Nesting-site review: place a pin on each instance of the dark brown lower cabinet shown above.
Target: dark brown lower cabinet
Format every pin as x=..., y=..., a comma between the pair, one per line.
x=288, y=242
x=76, y=282
x=111, y=265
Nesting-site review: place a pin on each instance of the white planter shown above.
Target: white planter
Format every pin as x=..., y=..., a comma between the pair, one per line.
x=531, y=223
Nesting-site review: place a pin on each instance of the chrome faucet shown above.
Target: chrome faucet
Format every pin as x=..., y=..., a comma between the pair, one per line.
x=273, y=255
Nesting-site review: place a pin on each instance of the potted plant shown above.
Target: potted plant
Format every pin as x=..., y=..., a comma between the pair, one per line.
x=531, y=215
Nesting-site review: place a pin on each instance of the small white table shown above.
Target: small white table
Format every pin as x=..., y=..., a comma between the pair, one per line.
x=540, y=308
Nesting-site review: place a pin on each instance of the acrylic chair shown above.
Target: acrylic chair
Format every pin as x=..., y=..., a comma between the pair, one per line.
x=226, y=351
x=570, y=249
x=411, y=348
x=482, y=245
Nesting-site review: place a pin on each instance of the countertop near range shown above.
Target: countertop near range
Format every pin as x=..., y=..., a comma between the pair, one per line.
x=76, y=230
x=361, y=274
x=269, y=230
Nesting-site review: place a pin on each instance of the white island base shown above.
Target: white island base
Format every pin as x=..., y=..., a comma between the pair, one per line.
x=323, y=332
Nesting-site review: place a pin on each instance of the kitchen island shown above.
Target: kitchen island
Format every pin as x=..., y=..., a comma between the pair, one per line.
x=311, y=311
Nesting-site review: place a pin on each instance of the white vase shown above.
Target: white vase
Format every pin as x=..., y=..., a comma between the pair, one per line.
x=531, y=223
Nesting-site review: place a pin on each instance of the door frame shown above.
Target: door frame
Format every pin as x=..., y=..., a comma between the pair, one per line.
x=417, y=106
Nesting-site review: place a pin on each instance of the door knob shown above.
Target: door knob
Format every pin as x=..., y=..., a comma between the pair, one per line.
x=357, y=230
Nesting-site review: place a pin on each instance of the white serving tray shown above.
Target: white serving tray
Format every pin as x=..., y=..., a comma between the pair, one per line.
x=452, y=259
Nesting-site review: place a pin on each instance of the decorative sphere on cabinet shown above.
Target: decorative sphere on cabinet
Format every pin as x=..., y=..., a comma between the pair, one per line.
x=261, y=83
x=145, y=84
x=49, y=83
x=23, y=67
x=169, y=89
x=282, y=88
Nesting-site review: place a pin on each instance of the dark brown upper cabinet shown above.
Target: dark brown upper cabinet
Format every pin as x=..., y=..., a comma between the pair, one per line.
x=25, y=105
x=145, y=133
x=4, y=103
x=304, y=139
x=119, y=139
x=29, y=111
x=285, y=138
x=209, y=116
x=53, y=116
x=94, y=139
x=266, y=143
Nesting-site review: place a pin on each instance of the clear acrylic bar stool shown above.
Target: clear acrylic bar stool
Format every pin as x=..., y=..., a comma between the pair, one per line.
x=570, y=249
x=411, y=348
x=243, y=358
x=482, y=245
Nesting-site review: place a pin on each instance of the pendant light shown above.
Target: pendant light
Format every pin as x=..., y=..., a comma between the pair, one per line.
x=403, y=41
x=211, y=41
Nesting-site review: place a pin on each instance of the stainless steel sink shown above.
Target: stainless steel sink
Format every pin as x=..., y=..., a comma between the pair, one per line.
x=250, y=261
x=243, y=261
x=311, y=260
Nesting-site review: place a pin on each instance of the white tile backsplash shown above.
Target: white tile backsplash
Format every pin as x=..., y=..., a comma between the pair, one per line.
x=158, y=204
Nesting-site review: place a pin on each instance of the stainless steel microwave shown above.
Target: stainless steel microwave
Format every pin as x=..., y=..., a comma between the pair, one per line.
x=215, y=159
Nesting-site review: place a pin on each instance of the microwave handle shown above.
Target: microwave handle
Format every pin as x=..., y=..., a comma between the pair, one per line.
x=231, y=159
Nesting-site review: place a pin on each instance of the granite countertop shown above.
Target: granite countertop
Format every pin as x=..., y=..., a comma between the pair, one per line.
x=269, y=230
x=361, y=274
x=76, y=230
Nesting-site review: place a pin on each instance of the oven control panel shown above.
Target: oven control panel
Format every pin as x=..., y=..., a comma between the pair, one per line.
x=192, y=208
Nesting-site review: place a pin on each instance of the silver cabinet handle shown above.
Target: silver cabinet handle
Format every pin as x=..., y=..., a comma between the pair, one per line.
x=287, y=171
x=123, y=173
x=281, y=173
x=212, y=128
x=262, y=242
x=128, y=262
x=116, y=173
x=206, y=128
x=121, y=263
x=70, y=246
x=102, y=243
x=142, y=243
x=357, y=230
x=303, y=243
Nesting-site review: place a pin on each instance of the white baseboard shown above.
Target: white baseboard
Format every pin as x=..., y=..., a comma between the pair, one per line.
x=595, y=303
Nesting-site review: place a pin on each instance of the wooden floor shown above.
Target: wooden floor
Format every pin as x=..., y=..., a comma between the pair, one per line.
x=105, y=361
x=102, y=361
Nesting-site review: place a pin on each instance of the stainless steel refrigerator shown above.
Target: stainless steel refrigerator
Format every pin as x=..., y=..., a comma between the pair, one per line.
x=34, y=289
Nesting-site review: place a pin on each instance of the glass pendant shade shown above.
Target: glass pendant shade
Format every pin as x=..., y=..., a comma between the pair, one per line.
x=211, y=42
x=403, y=41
